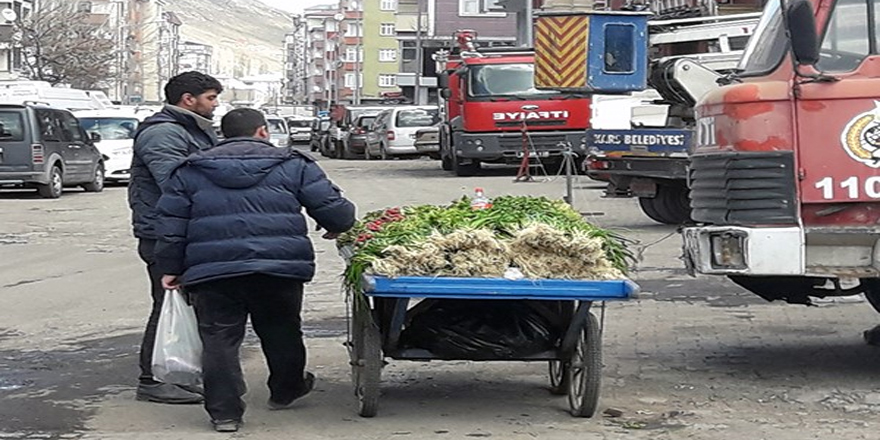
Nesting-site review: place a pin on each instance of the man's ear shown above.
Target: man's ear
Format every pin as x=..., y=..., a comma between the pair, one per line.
x=263, y=133
x=187, y=100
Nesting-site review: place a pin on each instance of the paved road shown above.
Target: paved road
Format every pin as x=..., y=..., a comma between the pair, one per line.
x=692, y=359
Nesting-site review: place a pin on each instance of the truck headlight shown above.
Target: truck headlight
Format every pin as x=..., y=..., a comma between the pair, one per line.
x=728, y=250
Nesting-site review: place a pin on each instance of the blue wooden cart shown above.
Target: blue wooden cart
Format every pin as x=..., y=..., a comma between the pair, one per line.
x=389, y=304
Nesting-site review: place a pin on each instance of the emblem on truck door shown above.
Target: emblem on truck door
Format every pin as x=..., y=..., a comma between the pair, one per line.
x=861, y=137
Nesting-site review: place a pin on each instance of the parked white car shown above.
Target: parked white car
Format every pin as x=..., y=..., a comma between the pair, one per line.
x=116, y=128
x=300, y=128
x=393, y=133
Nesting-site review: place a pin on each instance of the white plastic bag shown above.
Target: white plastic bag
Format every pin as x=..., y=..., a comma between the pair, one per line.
x=177, y=355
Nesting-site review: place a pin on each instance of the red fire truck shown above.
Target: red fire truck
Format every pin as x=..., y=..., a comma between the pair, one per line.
x=494, y=114
x=785, y=176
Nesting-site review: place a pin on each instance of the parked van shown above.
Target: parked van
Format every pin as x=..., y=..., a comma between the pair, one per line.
x=116, y=129
x=42, y=93
x=393, y=133
x=300, y=128
x=46, y=148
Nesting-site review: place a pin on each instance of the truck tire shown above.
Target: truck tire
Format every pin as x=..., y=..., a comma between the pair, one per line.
x=445, y=163
x=445, y=151
x=647, y=205
x=465, y=170
x=669, y=206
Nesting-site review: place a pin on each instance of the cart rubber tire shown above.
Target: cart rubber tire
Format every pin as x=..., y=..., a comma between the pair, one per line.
x=585, y=370
x=558, y=377
x=366, y=365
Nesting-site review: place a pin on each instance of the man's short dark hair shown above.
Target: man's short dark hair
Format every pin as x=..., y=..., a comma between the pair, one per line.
x=194, y=83
x=242, y=122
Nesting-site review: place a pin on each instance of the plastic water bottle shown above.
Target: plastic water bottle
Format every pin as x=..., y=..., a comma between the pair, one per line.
x=480, y=201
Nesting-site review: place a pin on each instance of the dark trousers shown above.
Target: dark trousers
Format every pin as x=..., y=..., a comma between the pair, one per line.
x=222, y=308
x=147, y=254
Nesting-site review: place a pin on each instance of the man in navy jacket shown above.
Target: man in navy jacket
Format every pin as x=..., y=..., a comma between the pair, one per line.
x=161, y=143
x=232, y=232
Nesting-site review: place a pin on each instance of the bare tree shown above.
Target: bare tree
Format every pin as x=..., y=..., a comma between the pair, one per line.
x=64, y=44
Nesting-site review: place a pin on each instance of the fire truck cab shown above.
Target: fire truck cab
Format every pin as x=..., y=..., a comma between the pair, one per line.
x=493, y=113
x=785, y=175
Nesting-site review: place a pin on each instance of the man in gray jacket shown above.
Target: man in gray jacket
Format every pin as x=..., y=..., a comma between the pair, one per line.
x=162, y=142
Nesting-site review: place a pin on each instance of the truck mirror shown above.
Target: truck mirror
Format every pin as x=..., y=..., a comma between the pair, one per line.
x=443, y=80
x=446, y=93
x=802, y=31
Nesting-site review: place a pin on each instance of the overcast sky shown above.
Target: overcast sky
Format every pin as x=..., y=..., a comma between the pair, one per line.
x=295, y=5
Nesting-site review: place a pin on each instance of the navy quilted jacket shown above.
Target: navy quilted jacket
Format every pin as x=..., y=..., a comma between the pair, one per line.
x=236, y=209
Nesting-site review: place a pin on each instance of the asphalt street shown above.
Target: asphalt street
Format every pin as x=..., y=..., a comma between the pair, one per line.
x=693, y=358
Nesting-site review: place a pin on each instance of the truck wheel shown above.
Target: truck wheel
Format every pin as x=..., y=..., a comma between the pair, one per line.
x=647, y=205
x=672, y=204
x=445, y=162
x=465, y=170
x=55, y=187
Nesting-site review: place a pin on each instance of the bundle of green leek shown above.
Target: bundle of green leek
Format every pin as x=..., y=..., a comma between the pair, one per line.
x=538, y=237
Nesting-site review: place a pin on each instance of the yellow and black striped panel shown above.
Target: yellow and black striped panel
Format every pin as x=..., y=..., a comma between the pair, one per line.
x=561, y=51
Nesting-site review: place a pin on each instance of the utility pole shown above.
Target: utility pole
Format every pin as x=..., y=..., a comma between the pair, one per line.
x=417, y=99
x=358, y=61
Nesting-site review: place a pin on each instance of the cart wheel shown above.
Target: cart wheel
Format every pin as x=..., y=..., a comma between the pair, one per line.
x=366, y=365
x=585, y=370
x=559, y=377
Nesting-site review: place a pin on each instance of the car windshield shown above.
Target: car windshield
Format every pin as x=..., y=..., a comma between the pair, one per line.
x=299, y=123
x=11, y=127
x=417, y=118
x=110, y=129
x=504, y=80
x=366, y=121
x=768, y=45
x=276, y=126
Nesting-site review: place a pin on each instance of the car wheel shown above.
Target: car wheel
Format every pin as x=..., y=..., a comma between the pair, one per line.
x=55, y=187
x=97, y=183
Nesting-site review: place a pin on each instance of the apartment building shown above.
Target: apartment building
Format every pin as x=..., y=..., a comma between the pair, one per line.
x=425, y=27
x=10, y=53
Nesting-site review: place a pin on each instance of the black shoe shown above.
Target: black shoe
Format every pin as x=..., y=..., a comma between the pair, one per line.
x=226, y=425
x=308, y=385
x=166, y=393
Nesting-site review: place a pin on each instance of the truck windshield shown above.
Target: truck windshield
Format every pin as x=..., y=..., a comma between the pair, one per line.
x=768, y=44
x=504, y=80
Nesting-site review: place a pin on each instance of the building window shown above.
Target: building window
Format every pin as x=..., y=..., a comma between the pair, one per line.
x=476, y=7
x=388, y=5
x=468, y=7
x=350, y=81
x=387, y=80
x=409, y=51
x=351, y=54
x=387, y=55
x=353, y=29
x=386, y=29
